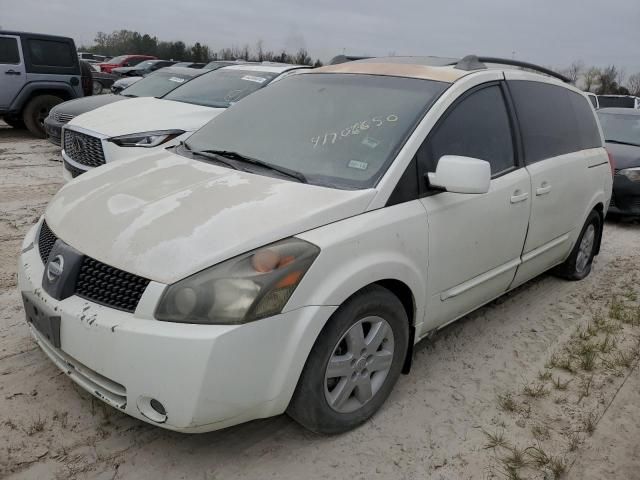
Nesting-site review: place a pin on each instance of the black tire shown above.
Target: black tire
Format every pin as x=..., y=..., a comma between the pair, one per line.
x=572, y=269
x=36, y=111
x=14, y=122
x=97, y=87
x=309, y=405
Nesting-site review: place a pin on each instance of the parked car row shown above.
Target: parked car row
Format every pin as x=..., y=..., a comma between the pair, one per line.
x=274, y=238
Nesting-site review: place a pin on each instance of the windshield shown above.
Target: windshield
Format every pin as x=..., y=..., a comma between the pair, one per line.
x=117, y=60
x=157, y=84
x=144, y=65
x=338, y=130
x=221, y=88
x=618, y=127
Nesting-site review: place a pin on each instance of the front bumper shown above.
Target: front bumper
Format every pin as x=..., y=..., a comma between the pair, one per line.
x=54, y=131
x=625, y=199
x=207, y=377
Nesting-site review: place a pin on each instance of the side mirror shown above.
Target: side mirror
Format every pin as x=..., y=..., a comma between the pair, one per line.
x=461, y=175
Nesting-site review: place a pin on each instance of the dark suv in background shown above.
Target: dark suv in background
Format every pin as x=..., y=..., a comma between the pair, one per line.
x=36, y=73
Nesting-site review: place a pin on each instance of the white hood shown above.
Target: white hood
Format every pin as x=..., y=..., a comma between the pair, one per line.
x=164, y=216
x=145, y=115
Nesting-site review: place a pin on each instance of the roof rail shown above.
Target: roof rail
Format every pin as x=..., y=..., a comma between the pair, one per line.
x=345, y=58
x=472, y=62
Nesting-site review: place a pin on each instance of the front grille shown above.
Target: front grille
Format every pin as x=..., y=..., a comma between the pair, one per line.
x=84, y=149
x=45, y=241
x=98, y=282
x=74, y=171
x=109, y=286
x=63, y=117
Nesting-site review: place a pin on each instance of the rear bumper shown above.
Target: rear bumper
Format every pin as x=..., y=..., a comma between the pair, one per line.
x=626, y=196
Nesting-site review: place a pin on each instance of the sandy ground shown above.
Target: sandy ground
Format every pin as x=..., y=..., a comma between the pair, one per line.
x=478, y=404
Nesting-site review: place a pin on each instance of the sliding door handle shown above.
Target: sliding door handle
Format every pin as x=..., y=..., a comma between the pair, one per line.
x=543, y=189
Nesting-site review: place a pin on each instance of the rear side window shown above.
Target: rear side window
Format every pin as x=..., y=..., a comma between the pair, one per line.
x=50, y=53
x=478, y=126
x=553, y=120
x=9, y=51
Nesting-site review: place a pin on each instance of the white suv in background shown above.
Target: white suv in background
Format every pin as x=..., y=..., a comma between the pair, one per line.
x=115, y=131
x=290, y=253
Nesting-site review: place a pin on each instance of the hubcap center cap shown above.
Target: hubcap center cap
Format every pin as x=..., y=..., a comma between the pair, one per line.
x=360, y=364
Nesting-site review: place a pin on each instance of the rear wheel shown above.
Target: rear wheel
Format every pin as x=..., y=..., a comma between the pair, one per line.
x=354, y=363
x=578, y=265
x=36, y=111
x=97, y=87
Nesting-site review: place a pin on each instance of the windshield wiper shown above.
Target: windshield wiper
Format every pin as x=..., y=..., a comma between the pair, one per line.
x=620, y=142
x=209, y=155
x=254, y=161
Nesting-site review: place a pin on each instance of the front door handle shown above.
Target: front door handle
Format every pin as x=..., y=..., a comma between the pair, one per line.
x=543, y=189
x=518, y=196
x=11, y=72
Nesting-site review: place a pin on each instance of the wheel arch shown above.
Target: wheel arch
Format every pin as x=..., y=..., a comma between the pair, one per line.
x=30, y=91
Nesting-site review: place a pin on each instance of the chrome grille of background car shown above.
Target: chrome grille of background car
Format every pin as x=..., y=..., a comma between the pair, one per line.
x=98, y=282
x=74, y=171
x=83, y=148
x=63, y=117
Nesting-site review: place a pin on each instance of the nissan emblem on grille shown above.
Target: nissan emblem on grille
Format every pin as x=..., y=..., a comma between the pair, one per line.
x=55, y=268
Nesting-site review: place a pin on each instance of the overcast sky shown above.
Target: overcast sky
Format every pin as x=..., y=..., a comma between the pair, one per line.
x=548, y=32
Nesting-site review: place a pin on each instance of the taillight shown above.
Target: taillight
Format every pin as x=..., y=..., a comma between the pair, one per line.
x=612, y=163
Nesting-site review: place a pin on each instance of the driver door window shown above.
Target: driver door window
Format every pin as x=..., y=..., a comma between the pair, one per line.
x=478, y=126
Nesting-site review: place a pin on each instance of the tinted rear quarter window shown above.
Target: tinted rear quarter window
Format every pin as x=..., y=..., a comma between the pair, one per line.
x=553, y=120
x=50, y=53
x=9, y=51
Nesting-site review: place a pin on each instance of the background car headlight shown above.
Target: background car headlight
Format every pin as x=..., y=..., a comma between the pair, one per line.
x=248, y=287
x=632, y=174
x=146, y=139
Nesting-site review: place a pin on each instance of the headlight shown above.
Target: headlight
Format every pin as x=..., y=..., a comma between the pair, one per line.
x=632, y=174
x=248, y=287
x=146, y=139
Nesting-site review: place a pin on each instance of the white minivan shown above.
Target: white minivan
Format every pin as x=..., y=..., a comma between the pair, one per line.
x=290, y=253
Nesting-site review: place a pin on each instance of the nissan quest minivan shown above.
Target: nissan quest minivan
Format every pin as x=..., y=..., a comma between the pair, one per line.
x=290, y=253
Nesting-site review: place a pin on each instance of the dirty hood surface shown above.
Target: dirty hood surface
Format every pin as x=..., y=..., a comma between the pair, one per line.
x=145, y=115
x=164, y=216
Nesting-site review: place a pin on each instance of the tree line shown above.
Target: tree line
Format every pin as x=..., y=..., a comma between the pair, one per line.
x=122, y=42
x=609, y=80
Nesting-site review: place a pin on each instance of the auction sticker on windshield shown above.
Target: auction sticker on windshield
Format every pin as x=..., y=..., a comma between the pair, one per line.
x=176, y=79
x=251, y=78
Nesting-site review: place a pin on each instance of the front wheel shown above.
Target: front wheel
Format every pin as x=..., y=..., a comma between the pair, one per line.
x=354, y=363
x=36, y=111
x=578, y=265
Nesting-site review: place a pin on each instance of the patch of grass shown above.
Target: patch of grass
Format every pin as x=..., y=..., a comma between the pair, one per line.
x=36, y=426
x=558, y=384
x=553, y=361
x=624, y=359
x=565, y=363
x=573, y=441
x=495, y=440
x=608, y=344
x=506, y=402
x=585, y=387
x=61, y=417
x=589, y=422
x=535, y=390
x=540, y=432
x=558, y=466
x=509, y=472
x=544, y=376
x=616, y=309
x=538, y=456
x=587, y=360
x=516, y=458
x=9, y=423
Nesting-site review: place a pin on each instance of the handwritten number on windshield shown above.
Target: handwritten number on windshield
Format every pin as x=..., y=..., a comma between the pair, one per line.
x=355, y=129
